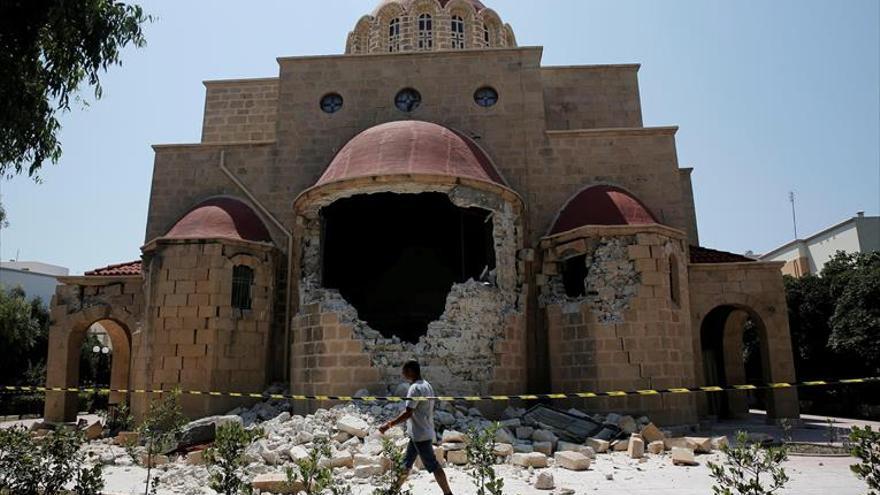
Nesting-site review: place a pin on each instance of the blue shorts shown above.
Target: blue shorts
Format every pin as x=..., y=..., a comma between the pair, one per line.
x=424, y=450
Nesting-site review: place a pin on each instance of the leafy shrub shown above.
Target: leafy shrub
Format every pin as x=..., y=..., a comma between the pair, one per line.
x=118, y=418
x=866, y=446
x=314, y=478
x=481, y=458
x=226, y=460
x=45, y=466
x=744, y=467
x=391, y=482
x=161, y=427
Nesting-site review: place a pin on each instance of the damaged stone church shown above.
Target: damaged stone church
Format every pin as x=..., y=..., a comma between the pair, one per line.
x=433, y=193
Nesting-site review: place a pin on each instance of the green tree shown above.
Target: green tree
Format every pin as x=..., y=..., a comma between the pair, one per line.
x=24, y=331
x=48, y=49
x=854, y=282
x=810, y=307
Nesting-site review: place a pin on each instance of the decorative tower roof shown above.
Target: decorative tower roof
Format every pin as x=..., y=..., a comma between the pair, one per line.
x=429, y=25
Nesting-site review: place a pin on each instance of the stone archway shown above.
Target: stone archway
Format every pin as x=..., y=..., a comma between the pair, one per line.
x=66, y=336
x=722, y=339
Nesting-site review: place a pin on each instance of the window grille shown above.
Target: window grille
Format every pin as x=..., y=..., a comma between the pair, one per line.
x=457, y=33
x=242, y=282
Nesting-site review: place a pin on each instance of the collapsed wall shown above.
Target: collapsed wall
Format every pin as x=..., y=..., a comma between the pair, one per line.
x=614, y=301
x=476, y=345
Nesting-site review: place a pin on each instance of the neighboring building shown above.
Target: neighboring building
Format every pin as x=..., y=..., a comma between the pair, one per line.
x=435, y=192
x=35, y=278
x=859, y=234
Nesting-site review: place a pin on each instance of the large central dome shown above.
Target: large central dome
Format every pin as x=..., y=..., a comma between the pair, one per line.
x=429, y=25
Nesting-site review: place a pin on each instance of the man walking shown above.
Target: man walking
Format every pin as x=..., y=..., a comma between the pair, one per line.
x=419, y=417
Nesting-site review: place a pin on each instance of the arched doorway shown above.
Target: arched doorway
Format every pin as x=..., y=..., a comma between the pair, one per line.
x=733, y=341
x=65, y=361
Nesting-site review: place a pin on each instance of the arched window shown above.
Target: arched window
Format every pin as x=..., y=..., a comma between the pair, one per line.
x=674, y=283
x=486, y=37
x=457, y=33
x=242, y=281
x=394, y=35
x=426, y=32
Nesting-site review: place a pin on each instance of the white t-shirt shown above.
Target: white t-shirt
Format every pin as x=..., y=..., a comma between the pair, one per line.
x=420, y=426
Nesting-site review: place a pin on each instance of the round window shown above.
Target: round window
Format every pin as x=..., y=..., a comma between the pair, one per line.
x=407, y=100
x=486, y=97
x=331, y=103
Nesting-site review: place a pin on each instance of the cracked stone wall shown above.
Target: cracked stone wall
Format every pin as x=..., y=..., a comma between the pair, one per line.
x=627, y=332
x=476, y=346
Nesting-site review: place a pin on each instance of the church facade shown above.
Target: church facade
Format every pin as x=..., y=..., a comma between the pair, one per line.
x=433, y=193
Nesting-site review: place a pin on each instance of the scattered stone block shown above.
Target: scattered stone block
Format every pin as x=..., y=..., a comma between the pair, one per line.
x=598, y=445
x=683, y=457
x=452, y=436
x=94, y=431
x=457, y=457
x=275, y=483
x=353, y=425
x=544, y=436
x=574, y=447
x=523, y=448
x=702, y=445
x=448, y=447
x=636, y=447
x=545, y=448
x=620, y=445
x=545, y=481
x=124, y=438
x=534, y=459
x=338, y=459
x=572, y=461
x=298, y=453
x=524, y=432
x=719, y=442
x=651, y=433
x=503, y=435
x=679, y=442
x=628, y=425
x=656, y=447
x=503, y=449
x=195, y=458
x=157, y=460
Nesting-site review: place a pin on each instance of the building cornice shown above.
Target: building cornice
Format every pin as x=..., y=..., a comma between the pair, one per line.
x=470, y=52
x=614, y=132
x=628, y=67
x=98, y=279
x=253, y=80
x=159, y=147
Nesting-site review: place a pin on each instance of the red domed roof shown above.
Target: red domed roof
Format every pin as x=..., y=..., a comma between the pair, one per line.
x=602, y=205
x=224, y=218
x=475, y=3
x=410, y=147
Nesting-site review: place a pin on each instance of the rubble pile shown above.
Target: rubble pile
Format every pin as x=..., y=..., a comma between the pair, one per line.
x=522, y=442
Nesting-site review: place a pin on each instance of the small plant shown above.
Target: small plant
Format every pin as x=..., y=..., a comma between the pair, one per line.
x=161, y=427
x=866, y=446
x=48, y=466
x=745, y=465
x=481, y=457
x=391, y=482
x=118, y=418
x=226, y=461
x=314, y=478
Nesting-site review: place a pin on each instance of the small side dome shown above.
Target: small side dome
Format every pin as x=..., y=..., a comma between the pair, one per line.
x=223, y=218
x=602, y=205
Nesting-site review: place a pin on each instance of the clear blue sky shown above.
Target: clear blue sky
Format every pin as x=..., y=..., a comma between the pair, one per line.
x=770, y=96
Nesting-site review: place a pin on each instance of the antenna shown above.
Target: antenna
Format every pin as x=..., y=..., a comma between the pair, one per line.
x=793, y=215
